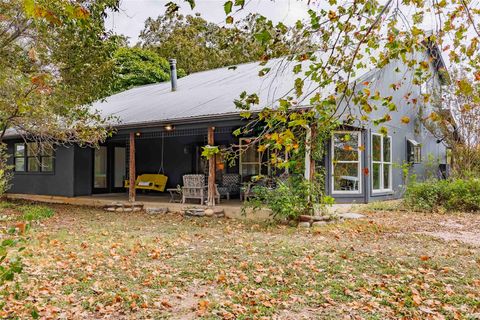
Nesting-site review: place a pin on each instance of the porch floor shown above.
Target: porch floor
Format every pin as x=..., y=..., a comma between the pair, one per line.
x=232, y=208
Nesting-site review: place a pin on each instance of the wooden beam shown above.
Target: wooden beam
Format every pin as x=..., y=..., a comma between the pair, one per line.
x=131, y=173
x=312, y=160
x=308, y=154
x=211, y=170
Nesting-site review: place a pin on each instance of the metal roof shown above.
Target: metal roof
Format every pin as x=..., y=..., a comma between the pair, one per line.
x=204, y=94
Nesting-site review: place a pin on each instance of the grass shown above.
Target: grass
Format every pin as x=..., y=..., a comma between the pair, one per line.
x=89, y=264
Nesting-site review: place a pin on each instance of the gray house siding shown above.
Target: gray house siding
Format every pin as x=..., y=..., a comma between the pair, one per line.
x=72, y=174
x=83, y=174
x=395, y=72
x=58, y=182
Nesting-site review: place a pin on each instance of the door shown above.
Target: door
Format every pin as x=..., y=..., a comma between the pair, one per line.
x=109, y=169
x=100, y=170
x=119, y=168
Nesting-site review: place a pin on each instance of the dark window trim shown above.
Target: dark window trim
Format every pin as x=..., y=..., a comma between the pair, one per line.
x=39, y=158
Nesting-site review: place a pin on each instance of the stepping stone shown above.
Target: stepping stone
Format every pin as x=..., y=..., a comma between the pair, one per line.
x=305, y=218
x=321, y=218
x=194, y=212
x=157, y=210
x=304, y=224
x=350, y=215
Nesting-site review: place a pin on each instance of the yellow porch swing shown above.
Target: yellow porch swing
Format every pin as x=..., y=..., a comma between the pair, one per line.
x=152, y=181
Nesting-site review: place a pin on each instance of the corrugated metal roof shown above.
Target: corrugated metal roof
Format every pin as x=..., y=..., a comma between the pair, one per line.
x=203, y=94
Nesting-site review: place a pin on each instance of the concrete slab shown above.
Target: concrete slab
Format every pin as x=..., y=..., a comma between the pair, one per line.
x=350, y=215
x=232, y=208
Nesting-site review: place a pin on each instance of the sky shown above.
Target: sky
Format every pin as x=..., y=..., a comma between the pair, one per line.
x=130, y=19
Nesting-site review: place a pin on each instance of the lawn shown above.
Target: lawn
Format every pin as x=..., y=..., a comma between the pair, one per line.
x=84, y=263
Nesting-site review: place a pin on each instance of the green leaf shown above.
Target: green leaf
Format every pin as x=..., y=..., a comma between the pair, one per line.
x=263, y=72
x=263, y=36
x=298, y=87
x=228, y=7
x=229, y=20
x=240, y=3
x=29, y=6
x=34, y=314
x=191, y=3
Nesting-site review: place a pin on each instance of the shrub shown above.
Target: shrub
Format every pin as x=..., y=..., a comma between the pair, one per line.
x=290, y=198
x=453, y=195
x=34, y=212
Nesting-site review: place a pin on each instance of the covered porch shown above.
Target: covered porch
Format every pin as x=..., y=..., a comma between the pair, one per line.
x=156, y=160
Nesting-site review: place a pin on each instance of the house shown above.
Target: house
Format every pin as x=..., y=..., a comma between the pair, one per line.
x=169, y=128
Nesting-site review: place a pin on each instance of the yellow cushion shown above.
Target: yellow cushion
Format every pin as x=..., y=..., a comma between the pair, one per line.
x=150, y=181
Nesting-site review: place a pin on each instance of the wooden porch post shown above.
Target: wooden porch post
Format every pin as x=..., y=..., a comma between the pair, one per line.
x=308, y=155
x=312, y=161
x=131, y=173
x=211, y=169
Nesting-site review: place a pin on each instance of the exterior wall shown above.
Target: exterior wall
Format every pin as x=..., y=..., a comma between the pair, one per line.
x=58, y=182
x=399, y=131
x=83, y=171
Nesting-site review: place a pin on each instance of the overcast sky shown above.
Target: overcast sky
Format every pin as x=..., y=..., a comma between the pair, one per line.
x=133, y=13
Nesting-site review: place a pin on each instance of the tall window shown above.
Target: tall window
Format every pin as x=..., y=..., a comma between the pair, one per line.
x=381, y=162
x=32, y=157
x=250, y=161
x=346, y=162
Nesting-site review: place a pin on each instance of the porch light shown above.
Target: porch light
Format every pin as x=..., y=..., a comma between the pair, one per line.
x=169, y=127
x=138, y=134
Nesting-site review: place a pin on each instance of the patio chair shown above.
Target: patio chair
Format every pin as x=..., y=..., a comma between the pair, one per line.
x=194, y=187
x=230, y=185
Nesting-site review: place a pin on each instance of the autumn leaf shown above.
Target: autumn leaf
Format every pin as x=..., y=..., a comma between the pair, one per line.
x=21, y=226
x=405, y=120
x=416, y=298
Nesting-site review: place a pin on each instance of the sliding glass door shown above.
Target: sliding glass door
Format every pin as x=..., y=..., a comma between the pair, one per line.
x=109, y=169
x=100, y=169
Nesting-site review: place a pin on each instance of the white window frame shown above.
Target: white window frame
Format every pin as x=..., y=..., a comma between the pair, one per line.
x=241, y=163
x=382, y=163
x=359, y=161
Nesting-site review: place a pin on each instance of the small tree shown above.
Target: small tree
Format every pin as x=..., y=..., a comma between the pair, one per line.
x=56, y=60
x=456, y=121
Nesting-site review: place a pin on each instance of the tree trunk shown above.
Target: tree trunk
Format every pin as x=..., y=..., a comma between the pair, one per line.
x=131, y=189
x=211, y=169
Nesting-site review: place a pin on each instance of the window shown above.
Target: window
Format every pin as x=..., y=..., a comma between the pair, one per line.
x=414, y=151
x=32, y=157
x=250, y=160
x=346, y=162
x=381, y=163
x=19, y=157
